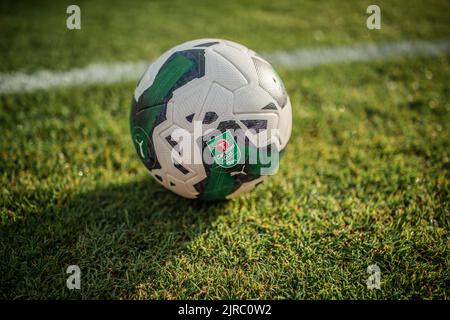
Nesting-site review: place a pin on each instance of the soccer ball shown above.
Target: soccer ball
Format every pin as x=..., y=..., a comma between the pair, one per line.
x=210, y=119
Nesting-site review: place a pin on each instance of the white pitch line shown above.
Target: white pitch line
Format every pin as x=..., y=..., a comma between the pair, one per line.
x=91, y=74
x=304, y=58
x=299, y=58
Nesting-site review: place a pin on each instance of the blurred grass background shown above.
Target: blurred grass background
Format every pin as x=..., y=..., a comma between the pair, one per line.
x=34, y=35
x=365, y=179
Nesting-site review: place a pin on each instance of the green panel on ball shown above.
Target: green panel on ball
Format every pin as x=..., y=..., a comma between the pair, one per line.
x=166, y=79
x=220, y=183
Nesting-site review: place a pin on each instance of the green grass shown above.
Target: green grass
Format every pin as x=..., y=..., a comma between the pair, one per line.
x=365, y=179
x=141, y=30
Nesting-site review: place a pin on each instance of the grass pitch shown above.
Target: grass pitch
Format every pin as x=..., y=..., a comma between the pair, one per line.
x=365, y=179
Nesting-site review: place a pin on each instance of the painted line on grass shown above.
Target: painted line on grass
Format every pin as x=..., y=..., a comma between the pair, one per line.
x=305, y=58
x=91, y=74
x=298, y=59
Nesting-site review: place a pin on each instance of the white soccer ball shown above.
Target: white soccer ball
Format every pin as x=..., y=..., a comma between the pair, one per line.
x=210, y=119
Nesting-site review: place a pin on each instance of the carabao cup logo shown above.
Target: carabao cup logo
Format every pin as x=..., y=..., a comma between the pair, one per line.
x=224, y=149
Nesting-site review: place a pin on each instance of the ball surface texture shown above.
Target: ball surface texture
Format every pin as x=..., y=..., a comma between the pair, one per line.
x=210, y=119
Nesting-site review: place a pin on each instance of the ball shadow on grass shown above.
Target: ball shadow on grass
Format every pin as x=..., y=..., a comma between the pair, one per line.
x=119, y=236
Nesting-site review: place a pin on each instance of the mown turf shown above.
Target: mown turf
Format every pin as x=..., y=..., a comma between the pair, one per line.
x=365, y=180
x=34, y=34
